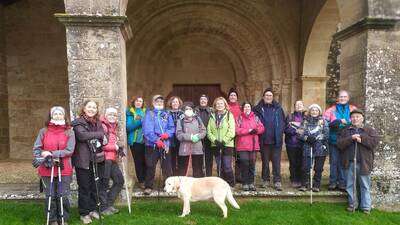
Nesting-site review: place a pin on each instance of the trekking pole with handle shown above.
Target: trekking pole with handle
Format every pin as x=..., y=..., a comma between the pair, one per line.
x=96, y=176
x=128, y=199
x=355, y=176
x=60, y=191
x=311, y=181
x=50, y=194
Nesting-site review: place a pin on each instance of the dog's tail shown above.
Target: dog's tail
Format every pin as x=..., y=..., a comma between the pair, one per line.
x=231, y=200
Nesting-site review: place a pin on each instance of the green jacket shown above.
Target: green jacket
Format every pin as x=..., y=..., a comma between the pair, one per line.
x=225, y=132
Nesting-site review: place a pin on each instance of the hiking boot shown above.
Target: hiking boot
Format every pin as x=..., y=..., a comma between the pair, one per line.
x=86, y=219
x=252, y=187
x=332, y=187
x=245, y=187
x=94, y=215
x=296, y=184
x=114, y=210
x=303, y=188
x=366, y=211
x=54, y=223
x=107, y=212
x=350, y=209
x=315, y=189
x=278, y=186
x=342, y=188
x=147, y=191
x=264, y=183
x=141, y=185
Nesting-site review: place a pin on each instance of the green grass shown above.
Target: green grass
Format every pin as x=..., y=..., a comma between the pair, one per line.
x=251, y=212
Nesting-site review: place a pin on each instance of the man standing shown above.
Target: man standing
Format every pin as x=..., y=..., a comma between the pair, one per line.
x=273, y=118
x=338, y=117
x=357, y=143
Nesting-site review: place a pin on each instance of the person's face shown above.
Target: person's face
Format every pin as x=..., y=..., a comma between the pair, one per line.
x=233, y=97
x=220, y=105
x=357, y=119
x=159, y=104
x=111, y=117
x=314, y=112
x=189, y=111
x=203, y=101
x=175, y=104
x=247, y=109
x=139, y=103
x=90, y=109
x=299, y=106
x=268, y=97
x=57, y=115
x=343, y=98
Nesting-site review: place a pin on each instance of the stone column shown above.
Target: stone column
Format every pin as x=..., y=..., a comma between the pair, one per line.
x=370, y=69
x=4, y=121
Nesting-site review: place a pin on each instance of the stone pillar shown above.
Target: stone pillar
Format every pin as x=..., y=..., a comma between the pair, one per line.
x=370, y=69
x=4, y=121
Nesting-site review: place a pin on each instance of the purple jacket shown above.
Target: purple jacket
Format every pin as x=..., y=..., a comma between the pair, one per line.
x=291, y=138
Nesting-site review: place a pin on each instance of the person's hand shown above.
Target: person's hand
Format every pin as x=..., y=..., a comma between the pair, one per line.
x=219, y=144
x=137, y=117
x=355, y=136
x=311, y=139
x=46, y=153
x=160, y=144
x=116, y=147
x=121, y=152
x=358, y=139
x=343, y=121
x=195, y=138
x=164, y=136
x=253, y=131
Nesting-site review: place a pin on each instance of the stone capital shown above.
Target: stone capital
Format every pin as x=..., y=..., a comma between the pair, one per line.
x=97, y=21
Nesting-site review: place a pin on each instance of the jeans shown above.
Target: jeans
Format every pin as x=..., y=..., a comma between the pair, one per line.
x=362, y=199
x=336, y=176
x=270, y=153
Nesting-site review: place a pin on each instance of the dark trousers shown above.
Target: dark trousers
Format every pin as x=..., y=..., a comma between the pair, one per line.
x=223, y=159
x=87, y=195
x=295, y=156
x=58, y=190
x=174, y=151
x=318, y=169
x=109, y=194
x=208, y=158
x=152, y=157
x=138, y=153
x=247, y=166
x=270, y=153
x=238, y=172
x=197, y=165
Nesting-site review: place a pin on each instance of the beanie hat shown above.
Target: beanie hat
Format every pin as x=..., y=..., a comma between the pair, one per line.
x=233, y=90
x=315, y=106
x=111, y=110
x=57, y=109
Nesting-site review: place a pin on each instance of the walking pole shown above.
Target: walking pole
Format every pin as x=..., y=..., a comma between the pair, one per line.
x=51, y=193
x=128, y=199
x=355, y=176
x=96, y=179
x=60, y=192
x=311, y=181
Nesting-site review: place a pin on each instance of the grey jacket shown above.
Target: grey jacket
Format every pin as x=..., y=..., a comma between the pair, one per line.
x=191, y=126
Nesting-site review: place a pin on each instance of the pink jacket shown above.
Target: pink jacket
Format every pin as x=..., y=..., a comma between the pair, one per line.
x=235, y=109
x=110, y=150
x=244, y=140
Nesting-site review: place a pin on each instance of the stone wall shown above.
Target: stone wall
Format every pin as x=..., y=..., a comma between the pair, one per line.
x=36, y=69
x=333, y=73
x=4, y=127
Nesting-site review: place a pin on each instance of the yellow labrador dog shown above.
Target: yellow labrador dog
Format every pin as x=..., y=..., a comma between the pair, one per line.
x=191, y=189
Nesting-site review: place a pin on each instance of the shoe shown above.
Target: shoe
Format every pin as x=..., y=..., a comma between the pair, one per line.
x=332, y=187
x=278, y=186
x=264, y=183
x=141, y=185
x=107, y=212
x=366, y=211
x=350, y=209
x=147, y=191
x=342, y=188
x=252, y=187
x=86, y=219
x=245, y=187
x=115, y=210
x=296, y=184
x=54, y=223
x=303, y=188
x=315, y=189
x=94, y=215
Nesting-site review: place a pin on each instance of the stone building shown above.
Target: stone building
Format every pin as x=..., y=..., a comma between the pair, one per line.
x=64, y=52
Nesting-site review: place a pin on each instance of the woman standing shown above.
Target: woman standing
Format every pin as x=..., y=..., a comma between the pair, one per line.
x=54, y=146
x=248, y=127
x=87, y=129
x=174, y=105
x=134, y=117
x=190, y=131
x=294, y=147
x=221, y=133
x=314, y=132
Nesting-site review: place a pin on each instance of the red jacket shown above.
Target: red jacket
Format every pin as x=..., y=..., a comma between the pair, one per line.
x=235, y=109
x=110, y=130
x=60, y=141
x=244, y=140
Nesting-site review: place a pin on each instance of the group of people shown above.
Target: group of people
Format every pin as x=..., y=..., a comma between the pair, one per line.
x=183, y=136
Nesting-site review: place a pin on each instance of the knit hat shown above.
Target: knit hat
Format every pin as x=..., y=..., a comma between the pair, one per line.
x=111, y=110
x=204, y=96
x=187, y=104
x=268, y=90
x=156, y=97
x=359, y=111
x=315, y=106
x=57, y=109
x=233, y=90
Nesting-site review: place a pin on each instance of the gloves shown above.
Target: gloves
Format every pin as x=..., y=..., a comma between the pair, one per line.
x=253, y=131
x=311, y=139
x=160, y=144
x=121, y=152
x=195, y=138
x=219, y=144
x=164, y=136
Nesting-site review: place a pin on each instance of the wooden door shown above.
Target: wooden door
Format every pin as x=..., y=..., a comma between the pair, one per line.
x=192, y=92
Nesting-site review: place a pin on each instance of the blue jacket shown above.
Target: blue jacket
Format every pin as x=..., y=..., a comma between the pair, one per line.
x=278, y=125
x=134, y=125
x=155, y=123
